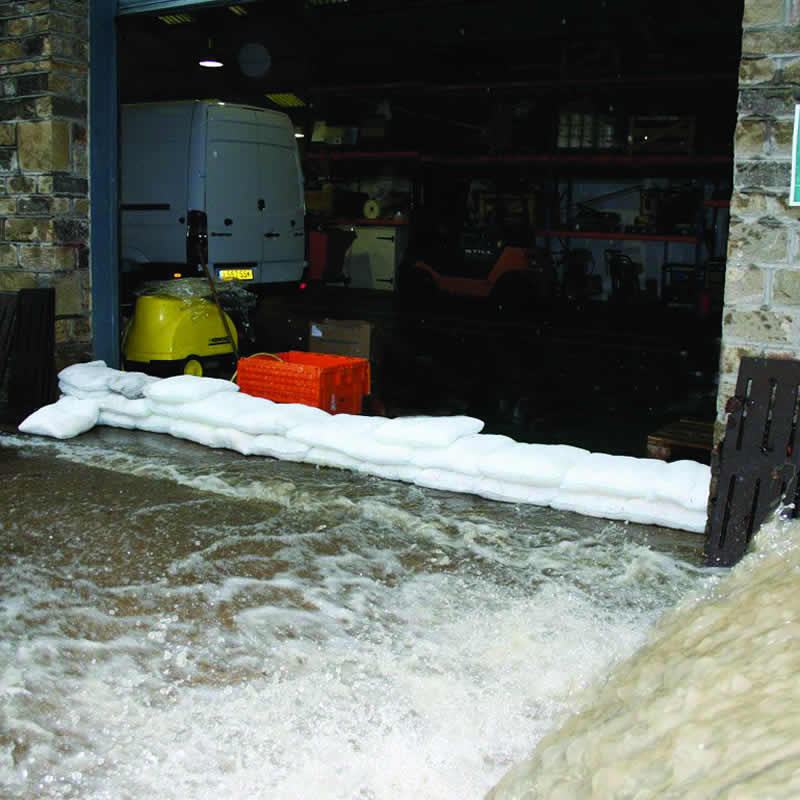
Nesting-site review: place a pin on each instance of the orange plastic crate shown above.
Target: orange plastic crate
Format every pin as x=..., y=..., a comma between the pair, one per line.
x=333, y=383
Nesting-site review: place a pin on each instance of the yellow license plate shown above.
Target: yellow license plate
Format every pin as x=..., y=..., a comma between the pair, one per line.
x=236, y=274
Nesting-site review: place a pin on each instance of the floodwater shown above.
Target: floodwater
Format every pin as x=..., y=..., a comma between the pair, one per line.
x=181, y=622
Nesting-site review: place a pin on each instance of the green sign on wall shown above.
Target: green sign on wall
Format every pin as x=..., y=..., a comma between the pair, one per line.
x=794, y=188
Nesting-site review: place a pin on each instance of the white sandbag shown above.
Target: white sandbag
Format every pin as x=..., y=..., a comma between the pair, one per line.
x=274, y=446
x=324, y=457
x=253, y=415
x=211, y=436
x=509, y=492
x=186, y=388
x=686, y=483
x=65, y=387
x=592, y=505
x=234, y=439
x=644, y=512
x=131, y=384
x=392, y=472
x=116, y=420
x=194, y=432
x=153, y=423
x=290, y=415
x=67, y=417
x=90, y=376
x=532, y=464
x=623, y=476
x=464, y=455
x=427, y=431
x=667, y=515
x=447, y=481
x=120, y=404
x=353, y=436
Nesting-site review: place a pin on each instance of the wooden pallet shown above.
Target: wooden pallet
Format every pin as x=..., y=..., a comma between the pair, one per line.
x=685, y=434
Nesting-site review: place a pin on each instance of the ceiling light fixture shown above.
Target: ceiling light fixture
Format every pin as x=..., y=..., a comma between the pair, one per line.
x=209, y=58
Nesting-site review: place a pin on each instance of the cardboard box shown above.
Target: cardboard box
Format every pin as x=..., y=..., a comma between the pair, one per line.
x=341, y=337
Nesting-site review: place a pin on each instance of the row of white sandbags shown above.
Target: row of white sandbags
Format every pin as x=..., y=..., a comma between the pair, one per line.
x=447, y=453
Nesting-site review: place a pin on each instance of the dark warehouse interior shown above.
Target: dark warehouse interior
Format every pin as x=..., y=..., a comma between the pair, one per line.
x=596, y=137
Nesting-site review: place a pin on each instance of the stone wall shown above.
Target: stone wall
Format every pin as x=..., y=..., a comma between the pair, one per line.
x=44, y=182
x=762, y=285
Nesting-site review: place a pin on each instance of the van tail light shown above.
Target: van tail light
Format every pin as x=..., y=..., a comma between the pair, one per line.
x=197, y=238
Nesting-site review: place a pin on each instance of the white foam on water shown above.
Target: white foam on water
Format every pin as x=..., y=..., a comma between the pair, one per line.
x=710, y=707
x=345, y=640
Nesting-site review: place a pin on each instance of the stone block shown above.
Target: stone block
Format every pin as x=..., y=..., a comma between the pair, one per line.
x=786, y=287
x=68, y=229
x=12, y=49
x=781, y=137
x=27, y=229
x=67, y=107
x=14, y=280
x=748, y=204
x=8, y=255
x=757, y=242
x=730, y=358
x=33, y=46
x=756, y=70
x=19, y=26
x=745, y=286
x=751, y=138
x=44, y=145
x=8, y=206
x=8, y=134
x=66, y=184
x=762, y=12
x=769, y=42
x=35, y=205
x=44, y=107
x=18, y=109
x=759, y=328
x=34, y=84
x=52, y=259
x=8, y=159
x=762, y=175
x=73, y=340
x=80, y=161
x=18, y=184
x=790, y=71
x=71, y=293
x=769, y=102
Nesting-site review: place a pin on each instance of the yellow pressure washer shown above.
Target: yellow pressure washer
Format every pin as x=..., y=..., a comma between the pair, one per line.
x=173, y=333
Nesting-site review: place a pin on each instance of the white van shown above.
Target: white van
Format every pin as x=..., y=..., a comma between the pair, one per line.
x=211, y=182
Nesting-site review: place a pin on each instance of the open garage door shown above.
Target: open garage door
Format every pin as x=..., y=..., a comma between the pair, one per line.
x=142, y=6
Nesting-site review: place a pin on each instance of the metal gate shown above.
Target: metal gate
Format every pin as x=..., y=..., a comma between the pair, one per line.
x=758, y=459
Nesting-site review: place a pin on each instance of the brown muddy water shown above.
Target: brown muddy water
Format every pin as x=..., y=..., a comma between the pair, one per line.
x=180, y=622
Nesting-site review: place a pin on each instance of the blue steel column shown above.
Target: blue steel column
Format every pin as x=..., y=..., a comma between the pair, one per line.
x=103, y=180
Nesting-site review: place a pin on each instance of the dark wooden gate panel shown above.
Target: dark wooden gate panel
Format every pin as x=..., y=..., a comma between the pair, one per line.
x=8, y=310
x=32, y=381
x=758, y=458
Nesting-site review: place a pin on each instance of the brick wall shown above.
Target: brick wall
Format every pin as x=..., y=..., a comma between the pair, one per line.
x=44, y=182
x=762, y=285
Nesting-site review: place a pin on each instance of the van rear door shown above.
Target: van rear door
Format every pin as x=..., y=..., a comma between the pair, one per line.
x=232, y=191
x=283, y=212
